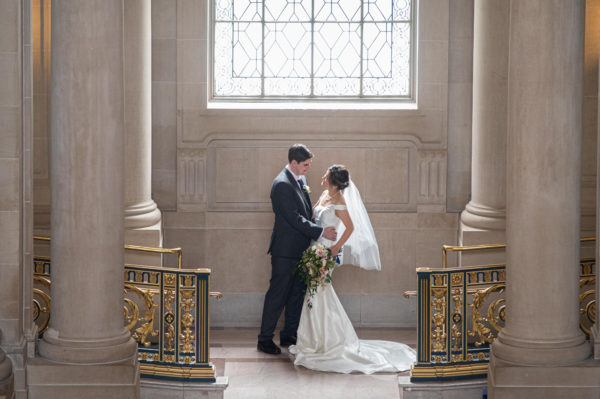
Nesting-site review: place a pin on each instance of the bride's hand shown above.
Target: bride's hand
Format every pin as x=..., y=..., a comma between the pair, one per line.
x=334, y=251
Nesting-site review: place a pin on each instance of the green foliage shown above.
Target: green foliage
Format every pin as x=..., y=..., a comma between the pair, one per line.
x=315, y=268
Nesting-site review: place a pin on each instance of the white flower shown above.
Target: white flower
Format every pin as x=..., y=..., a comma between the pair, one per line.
x=306, y=188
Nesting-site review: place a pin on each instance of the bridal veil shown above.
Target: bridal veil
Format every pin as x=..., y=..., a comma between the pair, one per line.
x=361, y=249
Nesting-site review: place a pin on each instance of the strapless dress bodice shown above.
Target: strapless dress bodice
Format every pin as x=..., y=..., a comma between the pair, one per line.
x=325, y=217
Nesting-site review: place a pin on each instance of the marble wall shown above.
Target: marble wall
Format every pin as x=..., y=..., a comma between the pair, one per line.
x=223, y=161
x=11, y=153
x=16, y=171
x=212, y=168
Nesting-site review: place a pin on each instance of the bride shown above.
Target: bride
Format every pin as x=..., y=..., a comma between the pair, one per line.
x=326, y=339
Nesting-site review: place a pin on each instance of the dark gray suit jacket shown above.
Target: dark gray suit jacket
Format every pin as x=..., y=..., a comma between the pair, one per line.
x=294, y=227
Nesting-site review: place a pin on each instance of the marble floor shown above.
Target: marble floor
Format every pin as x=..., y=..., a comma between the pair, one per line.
x=253, y=374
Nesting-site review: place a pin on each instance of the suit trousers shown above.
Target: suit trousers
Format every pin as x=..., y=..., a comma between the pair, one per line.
x=286, y=290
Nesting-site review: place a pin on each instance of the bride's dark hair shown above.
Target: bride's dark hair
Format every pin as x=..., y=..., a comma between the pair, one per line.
x=339, y=176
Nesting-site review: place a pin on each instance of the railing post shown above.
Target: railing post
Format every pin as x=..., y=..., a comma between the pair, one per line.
x=183, y=348
x=423, y=318
x=447, y=300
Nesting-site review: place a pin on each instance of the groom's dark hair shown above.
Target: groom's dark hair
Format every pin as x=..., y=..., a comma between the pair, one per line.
x=299, y=153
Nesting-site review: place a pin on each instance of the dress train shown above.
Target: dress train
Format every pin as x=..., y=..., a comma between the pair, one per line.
x=327, y=341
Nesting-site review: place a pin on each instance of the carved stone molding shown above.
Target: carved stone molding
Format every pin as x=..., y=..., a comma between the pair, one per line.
x=239, y=173
x=432, y=177
x=191, y=179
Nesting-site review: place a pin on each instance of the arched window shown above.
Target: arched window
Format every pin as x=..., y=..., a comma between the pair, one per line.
x=313, y=50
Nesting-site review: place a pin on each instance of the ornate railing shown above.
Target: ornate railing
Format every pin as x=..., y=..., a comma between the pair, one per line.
x=179, y=297
x=167, y=312
x=479, y=247
x=587, y=294
x=41, y=292
x=460, y=312
x=466, y=248
x=129, y=247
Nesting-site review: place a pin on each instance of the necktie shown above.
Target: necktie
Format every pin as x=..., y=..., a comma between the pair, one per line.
x=300, y=184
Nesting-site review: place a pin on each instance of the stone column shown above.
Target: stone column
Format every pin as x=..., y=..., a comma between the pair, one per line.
x=483, y=220
x=142, y=217
x=87, y=184
x=543, y=207
x=87, y=334
x=87, y=189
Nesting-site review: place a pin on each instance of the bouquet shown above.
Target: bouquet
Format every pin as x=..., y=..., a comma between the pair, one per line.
x=315, y=268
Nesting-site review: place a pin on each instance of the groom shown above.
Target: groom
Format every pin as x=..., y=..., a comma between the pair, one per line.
x=292, y=232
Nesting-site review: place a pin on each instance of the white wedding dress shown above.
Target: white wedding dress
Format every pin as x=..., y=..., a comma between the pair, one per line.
x=326, y=340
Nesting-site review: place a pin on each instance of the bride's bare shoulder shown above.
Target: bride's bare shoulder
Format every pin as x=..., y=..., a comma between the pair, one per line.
x=339, y=200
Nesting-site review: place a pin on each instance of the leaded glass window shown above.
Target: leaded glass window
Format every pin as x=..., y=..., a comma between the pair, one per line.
x=313, y=49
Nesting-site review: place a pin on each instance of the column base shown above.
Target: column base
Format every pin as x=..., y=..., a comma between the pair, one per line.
x=155, y=389
x=510, y=381
x=483, y=217
x=6, y=376
x=471, y=389
x=87, y=352
x=142, y=215
x=540, y=353
x=468, y=235
x=16, y=357
x=147, y=237
x=48, y=380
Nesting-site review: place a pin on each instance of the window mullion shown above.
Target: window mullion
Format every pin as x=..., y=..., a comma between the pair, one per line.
x=232, y=37
x=262, y=55
x=362, y=46
x=312, y=48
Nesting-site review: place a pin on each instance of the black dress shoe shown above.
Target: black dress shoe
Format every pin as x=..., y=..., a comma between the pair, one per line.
x=287, y=341
x=268, y=347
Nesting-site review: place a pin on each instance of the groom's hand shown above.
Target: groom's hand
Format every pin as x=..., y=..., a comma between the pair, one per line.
x=330, y=233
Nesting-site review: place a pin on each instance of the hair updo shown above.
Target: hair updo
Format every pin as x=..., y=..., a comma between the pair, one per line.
x=339, y=176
